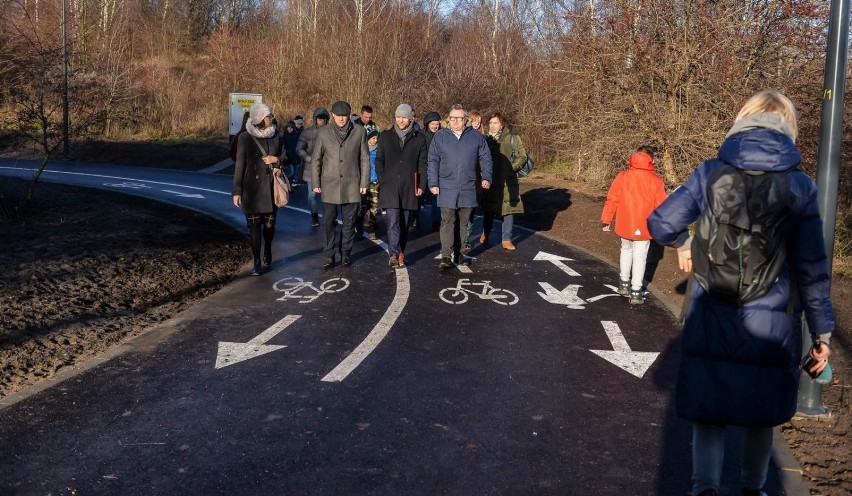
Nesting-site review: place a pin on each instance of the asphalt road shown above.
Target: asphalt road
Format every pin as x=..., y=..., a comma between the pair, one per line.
x=523, y=374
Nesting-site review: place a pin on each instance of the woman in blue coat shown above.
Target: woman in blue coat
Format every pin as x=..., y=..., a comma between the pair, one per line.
x=740, y=362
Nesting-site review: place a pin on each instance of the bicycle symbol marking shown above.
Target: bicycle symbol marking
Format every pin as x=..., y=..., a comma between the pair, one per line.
x=295, y=288
x=130, y=185
x=485, y=291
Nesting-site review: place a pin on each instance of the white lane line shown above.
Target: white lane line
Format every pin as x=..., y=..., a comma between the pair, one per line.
x=378, y=333
x=124, y=179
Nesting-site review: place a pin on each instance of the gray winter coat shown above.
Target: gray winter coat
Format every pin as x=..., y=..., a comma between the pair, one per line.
x=253, y=178
x=340, y=168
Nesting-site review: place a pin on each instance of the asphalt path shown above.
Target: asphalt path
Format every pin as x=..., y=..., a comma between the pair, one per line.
x=522, y=374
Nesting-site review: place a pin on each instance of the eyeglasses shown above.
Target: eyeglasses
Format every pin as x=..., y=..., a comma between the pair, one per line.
x=457, y=118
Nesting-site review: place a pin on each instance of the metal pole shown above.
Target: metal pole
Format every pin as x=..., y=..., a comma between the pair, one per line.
x=828, y=168
x=66, y=147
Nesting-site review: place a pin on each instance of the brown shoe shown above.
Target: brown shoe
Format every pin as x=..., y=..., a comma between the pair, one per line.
x=483, y=238
x=401, y=260
x=507, y=245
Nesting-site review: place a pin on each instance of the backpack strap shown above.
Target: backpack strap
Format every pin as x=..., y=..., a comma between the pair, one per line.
x=512, y=143
x=718, y=248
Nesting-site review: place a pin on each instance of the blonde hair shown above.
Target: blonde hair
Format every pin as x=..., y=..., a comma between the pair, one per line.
x=771, y=102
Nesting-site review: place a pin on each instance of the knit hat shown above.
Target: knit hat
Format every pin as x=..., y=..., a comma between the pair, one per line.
x=372, y=133
x=257, y=112
x=298, y=120
x=320, y=113
x=404, y=110
x=341, y=108
x=431, y=116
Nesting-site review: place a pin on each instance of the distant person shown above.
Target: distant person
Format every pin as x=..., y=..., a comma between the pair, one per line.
x=632, y=196
x=740, y=356
x=299, y=121
x=341, y=173
x=453, y=155
x=305, y=148
x=365, y=119
x=259, y=149
x=232, y=151
x=431, y=125
x=294, y=164
x=503, y=199
x=401, y=166
x=369, y=211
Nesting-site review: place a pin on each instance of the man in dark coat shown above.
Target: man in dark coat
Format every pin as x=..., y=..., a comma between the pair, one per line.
x=304, y=148
x=341, y=173
x=401, y=166
x=453, y=155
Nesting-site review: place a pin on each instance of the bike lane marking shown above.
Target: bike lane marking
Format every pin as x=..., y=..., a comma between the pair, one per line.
x=381, y=329
x=86, y=174
x=230, y=353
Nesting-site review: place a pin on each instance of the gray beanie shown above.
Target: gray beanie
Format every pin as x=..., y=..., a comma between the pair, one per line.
x=257, y=112
x=404, y=110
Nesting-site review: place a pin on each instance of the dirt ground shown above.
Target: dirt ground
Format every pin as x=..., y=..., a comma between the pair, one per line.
x=87, y=269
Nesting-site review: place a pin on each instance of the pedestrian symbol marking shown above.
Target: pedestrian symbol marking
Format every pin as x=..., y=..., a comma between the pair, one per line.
x=569, y=296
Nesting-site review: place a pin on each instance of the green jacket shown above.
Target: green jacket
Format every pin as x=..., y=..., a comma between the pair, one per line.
x=504, y=195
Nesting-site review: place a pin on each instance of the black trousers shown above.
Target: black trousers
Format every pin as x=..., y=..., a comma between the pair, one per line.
x=333, y=244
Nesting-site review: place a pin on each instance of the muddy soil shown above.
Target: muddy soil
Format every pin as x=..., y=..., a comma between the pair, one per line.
x=87, y=269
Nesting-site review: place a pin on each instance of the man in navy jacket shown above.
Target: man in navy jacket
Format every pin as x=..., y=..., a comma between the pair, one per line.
x=453, y=155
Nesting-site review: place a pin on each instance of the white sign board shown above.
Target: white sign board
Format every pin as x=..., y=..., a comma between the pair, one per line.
x=239, y=104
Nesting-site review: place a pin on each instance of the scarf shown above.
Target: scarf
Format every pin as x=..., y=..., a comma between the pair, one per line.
x=260, y=133
x=496, y=135
x=763, y=120
x=342, y=132
x=402, y=133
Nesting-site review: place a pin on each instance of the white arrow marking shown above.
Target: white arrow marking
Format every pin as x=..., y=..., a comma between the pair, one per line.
x=231, y=353
x=557, y=261
x=183, y=195
x=635, y=362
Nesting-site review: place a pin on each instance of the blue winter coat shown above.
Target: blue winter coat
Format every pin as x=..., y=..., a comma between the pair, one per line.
x=739, y=364
x=452, y=166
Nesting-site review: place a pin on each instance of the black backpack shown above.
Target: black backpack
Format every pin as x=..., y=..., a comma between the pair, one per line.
x=740, y=243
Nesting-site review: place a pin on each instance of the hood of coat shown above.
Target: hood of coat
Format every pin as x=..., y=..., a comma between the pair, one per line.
x=641, y=161
x=760, y=149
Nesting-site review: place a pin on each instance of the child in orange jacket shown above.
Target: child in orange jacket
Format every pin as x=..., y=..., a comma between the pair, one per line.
x=633, y=195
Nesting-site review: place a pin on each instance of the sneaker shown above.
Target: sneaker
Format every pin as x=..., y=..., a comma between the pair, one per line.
x=329, y=263
x=446, y=263
x=636, y=297
x=466, y=249
x=624, y=288
x=401, y=259
x=314, y=220
x=393, y=261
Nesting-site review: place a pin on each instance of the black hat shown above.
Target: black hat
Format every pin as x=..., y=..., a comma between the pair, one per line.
x=341, y=108
x=431, y=116
x=320, y=113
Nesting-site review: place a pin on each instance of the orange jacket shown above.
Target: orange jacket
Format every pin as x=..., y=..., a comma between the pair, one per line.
x=633, y=195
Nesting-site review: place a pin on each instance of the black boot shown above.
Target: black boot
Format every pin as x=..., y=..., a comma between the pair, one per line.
x=314, y=220
x=255, y=271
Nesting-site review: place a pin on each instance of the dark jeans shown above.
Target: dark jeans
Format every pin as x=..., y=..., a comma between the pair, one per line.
x=450, y=235
x=329, y=224
x=398, y=222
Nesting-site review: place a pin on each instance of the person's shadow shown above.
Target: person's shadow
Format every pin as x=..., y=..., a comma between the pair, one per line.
x=542, y=205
